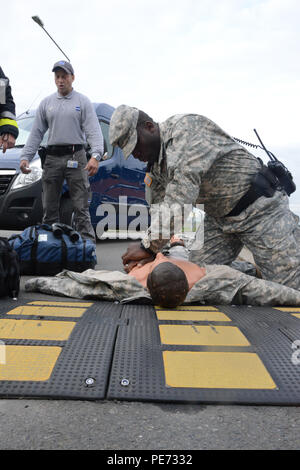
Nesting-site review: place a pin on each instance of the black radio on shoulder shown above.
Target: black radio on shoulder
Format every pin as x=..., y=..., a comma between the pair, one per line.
x=283, y=175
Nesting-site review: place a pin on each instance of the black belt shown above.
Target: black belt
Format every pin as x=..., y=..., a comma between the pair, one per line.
x=63, y=149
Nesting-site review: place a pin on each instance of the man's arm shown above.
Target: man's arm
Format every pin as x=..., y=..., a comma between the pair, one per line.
x=193, y=149
x=187, y=160
x=168, y=211
x=170, y=216
x=37, y=133
x=92, y=130
x=136, y=255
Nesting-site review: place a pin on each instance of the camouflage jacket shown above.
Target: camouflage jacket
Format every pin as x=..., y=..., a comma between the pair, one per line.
x=199, y=163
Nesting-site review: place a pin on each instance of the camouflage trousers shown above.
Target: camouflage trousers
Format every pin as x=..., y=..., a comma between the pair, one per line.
x=223, y=285
x=267, y=228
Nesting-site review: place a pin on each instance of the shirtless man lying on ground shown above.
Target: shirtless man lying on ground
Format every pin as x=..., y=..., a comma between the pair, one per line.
x=168, y=281
x=172, y=280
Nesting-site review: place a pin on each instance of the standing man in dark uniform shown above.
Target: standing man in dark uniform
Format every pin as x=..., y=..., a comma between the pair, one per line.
x=71, y=120
x=8, y=126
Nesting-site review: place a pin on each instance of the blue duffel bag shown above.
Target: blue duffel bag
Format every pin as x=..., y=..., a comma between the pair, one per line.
x=43, y=253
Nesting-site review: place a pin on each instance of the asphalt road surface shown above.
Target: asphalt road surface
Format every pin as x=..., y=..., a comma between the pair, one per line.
x=32, y=424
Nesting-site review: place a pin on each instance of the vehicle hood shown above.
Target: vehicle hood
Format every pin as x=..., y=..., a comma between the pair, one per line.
x=11, y=159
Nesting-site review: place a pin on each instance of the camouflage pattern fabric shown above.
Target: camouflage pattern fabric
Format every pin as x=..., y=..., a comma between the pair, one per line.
x=270, y=231
x=198, y=164
x=201, y=164
x=122, y=129
x=221, y=285
x=102, y=284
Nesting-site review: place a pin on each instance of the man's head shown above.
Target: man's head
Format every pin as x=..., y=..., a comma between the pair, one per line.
x=168, y=285
x=135, y=133
x=64, y=76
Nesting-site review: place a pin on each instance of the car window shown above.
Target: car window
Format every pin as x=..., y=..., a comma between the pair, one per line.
x=25, y=126
x=107, y=146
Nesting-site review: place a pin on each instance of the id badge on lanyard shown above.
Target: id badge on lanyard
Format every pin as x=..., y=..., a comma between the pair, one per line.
x=72, y=163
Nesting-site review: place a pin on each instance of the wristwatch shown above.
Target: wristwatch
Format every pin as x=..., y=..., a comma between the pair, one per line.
x=97, y=157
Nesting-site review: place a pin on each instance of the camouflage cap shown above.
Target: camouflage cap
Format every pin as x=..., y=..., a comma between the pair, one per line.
x=122, y=129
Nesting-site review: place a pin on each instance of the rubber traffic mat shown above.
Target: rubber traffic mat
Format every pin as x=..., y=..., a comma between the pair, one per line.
x=100, y=350
x=56, y=349
x=208, y=354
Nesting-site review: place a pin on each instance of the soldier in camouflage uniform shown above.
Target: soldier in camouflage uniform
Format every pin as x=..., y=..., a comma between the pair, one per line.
x=193, y=161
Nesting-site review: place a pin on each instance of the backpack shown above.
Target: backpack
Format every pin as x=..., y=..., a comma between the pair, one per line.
x=9, y=270
x=43, y=253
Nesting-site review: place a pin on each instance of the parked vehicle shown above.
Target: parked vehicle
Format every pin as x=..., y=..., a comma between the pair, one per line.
x=117, y=186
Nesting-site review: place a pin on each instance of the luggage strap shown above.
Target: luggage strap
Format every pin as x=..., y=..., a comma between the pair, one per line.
x=34, y=248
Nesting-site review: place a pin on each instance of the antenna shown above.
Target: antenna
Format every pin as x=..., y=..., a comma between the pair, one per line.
x=38, y=20
x=270, y=154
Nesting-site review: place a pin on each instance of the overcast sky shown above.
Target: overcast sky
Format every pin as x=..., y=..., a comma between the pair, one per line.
x=234, y=61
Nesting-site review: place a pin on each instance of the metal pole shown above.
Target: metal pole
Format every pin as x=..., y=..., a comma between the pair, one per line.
x=40, y=23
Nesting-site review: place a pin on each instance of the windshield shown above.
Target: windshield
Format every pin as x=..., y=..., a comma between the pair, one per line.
x=25, y=126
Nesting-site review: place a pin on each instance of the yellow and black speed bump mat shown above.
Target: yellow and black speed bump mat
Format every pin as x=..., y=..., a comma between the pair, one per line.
x=56, y=349
x=96, y=350
x=208, y=355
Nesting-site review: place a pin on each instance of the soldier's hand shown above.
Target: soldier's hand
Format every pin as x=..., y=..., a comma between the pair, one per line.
x=136, y=253
x=132, y=264
x=92, y=166
x=129, y=266
x=24, y=166
x=7, y=141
